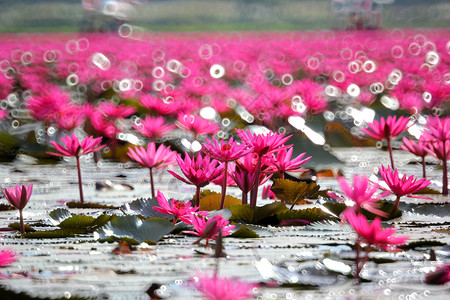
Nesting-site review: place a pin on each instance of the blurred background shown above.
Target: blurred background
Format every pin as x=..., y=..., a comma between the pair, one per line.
x=212, y=15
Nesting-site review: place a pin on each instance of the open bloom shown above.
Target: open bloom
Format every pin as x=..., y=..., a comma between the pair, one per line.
x=209, y=227
x=283, y=163
x=361, y=194
x=216, y=288
x=404, y=186
x=439, y=128
x=18, y=197
x=225, y=150
x=373, y=234
x=73, y=147
x=178, y=209
x=419, y=149
x=386, y=128
x=263, y=144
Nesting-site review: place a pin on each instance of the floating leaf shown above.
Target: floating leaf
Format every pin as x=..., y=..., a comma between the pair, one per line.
x=89, y=205
x=6, y=207
x=244, y=232
x=428, y=191
x=143, y=207
x=257, y=215
x=294, y=191
x=101, y=220
x=338, y=208
x=53, y=234
x=16, y=226
x=310, y=214
x=78, y=221
x=58, y=215
x=212, y=201
x=421, y=244
x=131, y=228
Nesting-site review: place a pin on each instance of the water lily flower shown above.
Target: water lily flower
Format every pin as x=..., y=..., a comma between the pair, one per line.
x=262, y=144
x=216, y=288
x=6, y=258
x=386, y=129
x=196, y=125
x=208, y=228
x=18, y=197
x=198, y=171
x=73, y=147
x=154, y=127
x=404, y=186
x=283, y=163
x=419, y=149
x=371, y=234
x=152, y=157
x=225, y=151
x=439, y=276
x=361, y=194
x=178, y=209
x=114, y=111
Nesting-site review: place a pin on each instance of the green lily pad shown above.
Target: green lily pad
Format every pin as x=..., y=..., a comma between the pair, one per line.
x=421, y=244
x=310, y=214
x=144, y=207
x=338, y=208
x=136, y=230
x=59, y=215
x=54, y=234
x=16, y=226
x=89, y=205
x=257, y=215
x=244, y=232
x=78, y=221
x=293, y=191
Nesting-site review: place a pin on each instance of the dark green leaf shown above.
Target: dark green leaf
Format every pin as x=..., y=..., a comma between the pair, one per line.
x=149, y=231
x=338, y=208
x=143, y=207
x=78, y=221
x=58, y=215
x=310, y=214
x=53, y=234
x=89, y=205
x=16, y=226
x=421, y=244
x=293, y=191
x=256, y=215
x=244, y=232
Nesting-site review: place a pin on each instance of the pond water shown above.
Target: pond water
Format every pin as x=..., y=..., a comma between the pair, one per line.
x=296, y=257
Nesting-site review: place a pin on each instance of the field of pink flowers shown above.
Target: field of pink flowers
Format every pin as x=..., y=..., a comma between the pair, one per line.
x=259, y=113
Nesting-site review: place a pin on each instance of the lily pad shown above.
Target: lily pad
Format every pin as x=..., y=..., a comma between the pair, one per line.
x=59, y=215
x=338, y=208
x=54, y=234
x=89, y=205
x=257, y=215
x=78, y=221
x=244, y=232
x=134, y=229
x=212, y=201
x=143, y=207
x=421, y=244
x=294, y=191
x=16, y=226
x=310, y=214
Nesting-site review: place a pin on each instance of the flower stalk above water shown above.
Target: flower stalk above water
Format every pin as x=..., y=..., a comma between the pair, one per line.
x=18, y=197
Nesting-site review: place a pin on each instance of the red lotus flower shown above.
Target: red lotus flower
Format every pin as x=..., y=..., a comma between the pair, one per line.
x=198, y=172
x=152, y=157
x=154, y=127
x=196, y=125
x=225, y=152
x=361, y=194
x=73, y=147
x=18, y=197
x=209, y=227
x=283, y=163
x=404, y=186
x=178, y=209
x=371, y=234
x=216, y=288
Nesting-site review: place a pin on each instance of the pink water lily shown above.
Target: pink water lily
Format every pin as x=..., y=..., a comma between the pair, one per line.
x=154, y=127
x=198, y=171
x=151, y=158
x=404, y=186
x=176, y=208
x=371, y=234
x=418, y=148
x=196, y=125
x=6, y=258
x=225, y=151
x=216, y=288
x=283, y=163
x=18, y=197
x=73, y=147
x=209, y=228
x=386, y=129
x=361, y=194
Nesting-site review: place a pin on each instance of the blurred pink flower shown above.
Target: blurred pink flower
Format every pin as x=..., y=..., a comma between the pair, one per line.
x=178, y=209
x=418, y=148
x=152, y=157
x=153, y=127
x=7, y=258
x=159, y=107
x=386, y=129
x=216, y=288
x=18, y=197
x=196, y=125
x=267, y=193
x=114, y=111
x=198, y=171
x=3, y=114
x=361, y=194
x=404, y=186
x=208, y=228
x=439, y=276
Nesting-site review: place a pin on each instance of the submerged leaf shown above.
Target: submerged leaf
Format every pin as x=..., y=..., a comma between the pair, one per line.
x=132, y=228
x=294, y=191
x=212, y=201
